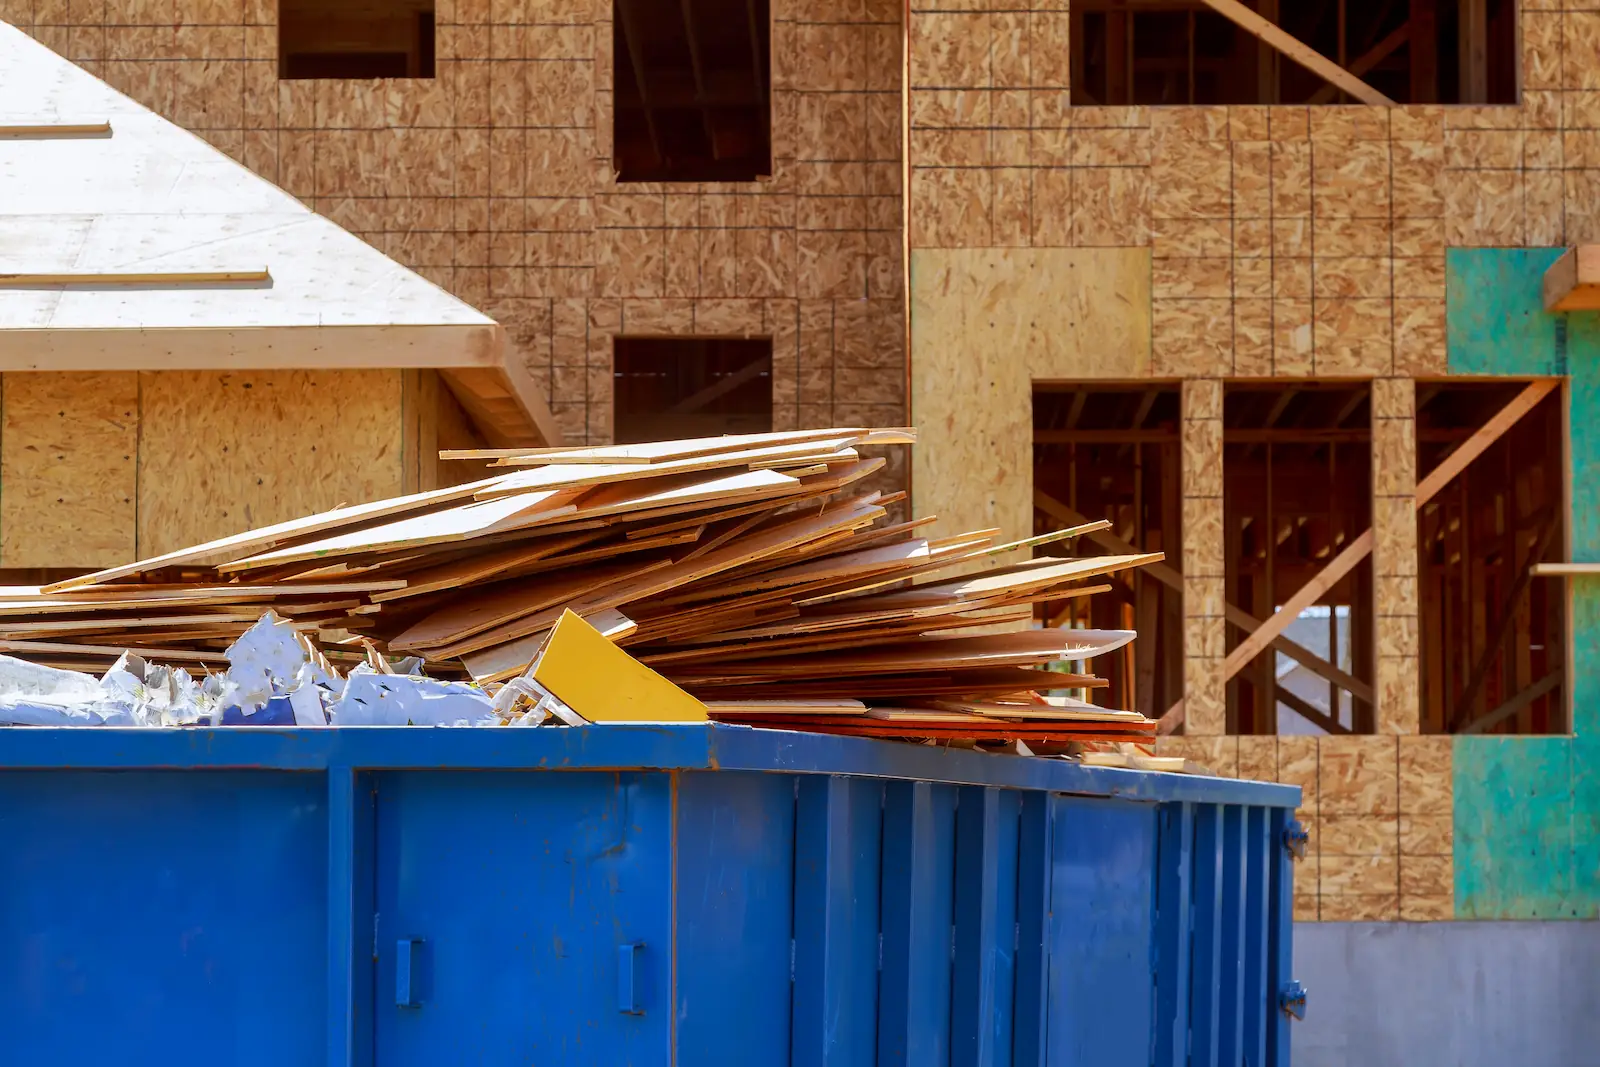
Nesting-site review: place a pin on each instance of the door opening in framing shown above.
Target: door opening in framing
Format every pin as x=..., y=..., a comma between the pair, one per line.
x=1492, y=634
x=1111, y=451
x=1297, y=477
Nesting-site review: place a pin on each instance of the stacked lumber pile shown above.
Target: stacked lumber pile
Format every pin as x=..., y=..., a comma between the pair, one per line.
x=752, y=571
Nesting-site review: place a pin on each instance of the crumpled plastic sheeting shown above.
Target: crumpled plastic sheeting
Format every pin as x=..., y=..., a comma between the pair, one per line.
x=275, y=678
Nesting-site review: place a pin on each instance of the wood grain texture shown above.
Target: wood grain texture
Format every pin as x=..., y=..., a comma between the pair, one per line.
x=67, y=469
x=222, y=452
x=986, y=324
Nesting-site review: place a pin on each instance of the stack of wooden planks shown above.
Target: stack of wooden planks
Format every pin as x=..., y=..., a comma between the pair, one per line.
x=753, y=571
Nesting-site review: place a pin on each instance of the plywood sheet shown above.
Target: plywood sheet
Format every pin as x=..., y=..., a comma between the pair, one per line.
x=222, y=452
x=67, y=468
x=985, y=324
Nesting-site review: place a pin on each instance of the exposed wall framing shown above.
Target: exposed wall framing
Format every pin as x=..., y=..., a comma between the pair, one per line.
x=1297, y=473
x=1170, y=52
x=356, y=39
x=693, y=90
x=1112, y=452
x=670, y=387
x=1493, y=635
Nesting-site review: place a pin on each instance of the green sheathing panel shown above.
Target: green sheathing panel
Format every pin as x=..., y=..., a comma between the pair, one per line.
x=1527, y=810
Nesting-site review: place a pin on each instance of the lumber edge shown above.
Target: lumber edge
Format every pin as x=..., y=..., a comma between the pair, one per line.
x=1572, y=282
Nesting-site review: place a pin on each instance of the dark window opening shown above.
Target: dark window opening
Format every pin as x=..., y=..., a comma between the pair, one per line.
x=672, y=387
x=1492, y=633
x=1112, y=452
x=1297, y=489
x=693, y=85
x=1160, y=52
x=355, y=39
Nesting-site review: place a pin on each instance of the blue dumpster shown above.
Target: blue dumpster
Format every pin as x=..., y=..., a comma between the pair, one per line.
x=627, y=895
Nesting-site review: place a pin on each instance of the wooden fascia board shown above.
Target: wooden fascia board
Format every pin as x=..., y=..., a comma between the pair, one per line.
x=251, y=348
x=473, y=359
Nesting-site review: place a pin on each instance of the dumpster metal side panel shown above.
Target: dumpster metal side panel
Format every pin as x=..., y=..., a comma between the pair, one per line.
x=162, y=918
x=1102, y=905
x=628, y=895
x=919, y=835
x=519, y=890
x=837, y=894
x=734, y=893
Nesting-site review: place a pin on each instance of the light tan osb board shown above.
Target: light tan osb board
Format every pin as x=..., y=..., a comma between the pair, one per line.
x=67, y=469
x=985, y=325
x=222, y=452
x=1379, y=810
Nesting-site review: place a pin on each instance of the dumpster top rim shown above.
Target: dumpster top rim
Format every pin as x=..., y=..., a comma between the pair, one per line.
x=640, y=746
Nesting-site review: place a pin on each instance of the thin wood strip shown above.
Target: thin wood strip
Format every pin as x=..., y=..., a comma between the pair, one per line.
x=31, y=279
x=46, y=130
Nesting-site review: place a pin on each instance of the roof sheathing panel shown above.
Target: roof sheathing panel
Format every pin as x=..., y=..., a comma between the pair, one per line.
x=152, y=198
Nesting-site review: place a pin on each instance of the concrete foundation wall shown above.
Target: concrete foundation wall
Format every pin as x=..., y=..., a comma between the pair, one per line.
x=1462, y=994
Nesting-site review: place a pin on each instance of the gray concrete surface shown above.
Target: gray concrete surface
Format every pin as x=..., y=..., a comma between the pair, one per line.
x=1461, y=994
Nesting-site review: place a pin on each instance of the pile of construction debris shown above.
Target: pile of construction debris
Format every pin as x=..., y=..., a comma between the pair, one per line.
x=749, y=572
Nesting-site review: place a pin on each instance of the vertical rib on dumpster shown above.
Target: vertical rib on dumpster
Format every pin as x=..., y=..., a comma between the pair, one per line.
x=1173, y=935
x=1231, y=942
x=1033, y=922
x=1280, y=899
x=1207, y=919
x=977, y=863
x=838, y=825
x=1102, y=899
x=918, y=869
x=350, y=872
x=1257, y=849
x=735, y=914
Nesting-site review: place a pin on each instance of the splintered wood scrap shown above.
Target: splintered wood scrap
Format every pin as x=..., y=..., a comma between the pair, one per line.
x=757, y=572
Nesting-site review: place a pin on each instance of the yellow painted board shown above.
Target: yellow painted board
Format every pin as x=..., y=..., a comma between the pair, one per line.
x=602, y=683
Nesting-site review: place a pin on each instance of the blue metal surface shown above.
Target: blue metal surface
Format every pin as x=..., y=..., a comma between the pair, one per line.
x=522, y=887
x=1034, y=856
x=1205, y=973
x=156, y=919
x=734, y=886
x=675, y=896
x=918, y=903
x=837, y=865
x=686, y=747
x=1101, y=943
x=1174, y=933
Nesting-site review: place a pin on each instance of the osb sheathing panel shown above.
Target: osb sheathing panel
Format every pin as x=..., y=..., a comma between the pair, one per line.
x=225, y=452
x=1394, y=522
x=67, y=469
x=985, y=326
x=494, y=180
x=1205, y=629
x=1303, y=241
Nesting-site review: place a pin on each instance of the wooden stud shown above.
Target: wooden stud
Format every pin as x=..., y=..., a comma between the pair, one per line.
x=1572, y=282
x=1298, y=51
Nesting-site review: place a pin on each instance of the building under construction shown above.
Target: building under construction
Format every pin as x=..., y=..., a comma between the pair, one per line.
x=1297, y=294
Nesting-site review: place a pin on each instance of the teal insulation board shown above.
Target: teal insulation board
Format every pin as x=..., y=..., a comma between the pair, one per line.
x=1527, y=809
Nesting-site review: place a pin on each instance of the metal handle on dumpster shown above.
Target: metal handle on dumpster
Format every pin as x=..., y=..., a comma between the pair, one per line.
x=1292, y=1000
x=406, y=953
x=627, y=979
x=1295, y=839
